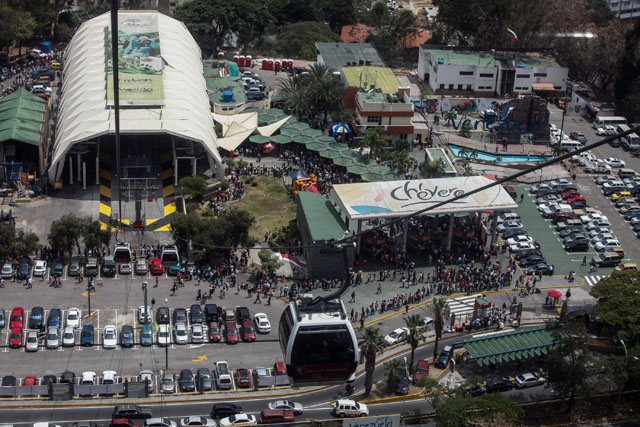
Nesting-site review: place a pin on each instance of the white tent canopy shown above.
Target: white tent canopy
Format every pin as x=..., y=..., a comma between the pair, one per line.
x=84, y=114
x=236, y=128
x=392, y=199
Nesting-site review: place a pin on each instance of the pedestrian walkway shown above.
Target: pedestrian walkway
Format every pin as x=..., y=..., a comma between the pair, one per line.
x=592, y=280
x=462, y=306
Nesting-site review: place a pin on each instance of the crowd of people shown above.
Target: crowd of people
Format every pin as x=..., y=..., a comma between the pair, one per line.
x=18, y=74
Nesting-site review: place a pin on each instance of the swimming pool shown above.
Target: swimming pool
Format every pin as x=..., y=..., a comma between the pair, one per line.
x=504, y=158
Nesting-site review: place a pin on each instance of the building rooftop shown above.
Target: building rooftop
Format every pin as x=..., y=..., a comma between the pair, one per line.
x=382, y=77
x=216, y=84
x=487, y=58
x=372, y=97
x=338, y=55
x=22, y=117
x=322, y=219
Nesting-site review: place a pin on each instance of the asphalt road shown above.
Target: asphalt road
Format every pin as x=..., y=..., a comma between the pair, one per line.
x=316, y=403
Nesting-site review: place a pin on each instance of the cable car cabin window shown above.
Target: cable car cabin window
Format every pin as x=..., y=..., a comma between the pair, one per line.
x=286, y=325
x=170, y=258
x=122, y=254
x=317, y=345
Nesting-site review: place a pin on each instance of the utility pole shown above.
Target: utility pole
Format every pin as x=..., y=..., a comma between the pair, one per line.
x=116, y=97
x=146, y=307
x=166, y=347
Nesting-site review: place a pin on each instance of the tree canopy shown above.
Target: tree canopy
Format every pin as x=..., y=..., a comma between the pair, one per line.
x=68, y=231
x=619, y=306
x=298, y=40
x=16, y=243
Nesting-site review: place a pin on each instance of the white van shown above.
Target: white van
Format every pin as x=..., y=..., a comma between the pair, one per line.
x=570, y=145
x=222, y=376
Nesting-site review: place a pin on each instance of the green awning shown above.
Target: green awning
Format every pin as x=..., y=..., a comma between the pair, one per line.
x=316, y=146
x=281, y=139
x=259, y=139
x=334, y=146
x=289, y=131
x=302, y=139
x=312, y=132
x=299, y=125
x=22, y=117
x=379, y=169
x=372, y=177
x=357, y=169
x=343, y=161
x=325, y=138
x=328, y=154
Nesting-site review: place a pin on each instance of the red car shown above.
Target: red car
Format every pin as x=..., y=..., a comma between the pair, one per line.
x=156, y=266
x=15, y=339
x=30, y=381
x=214, y=332
x=231, y=333
x=248, y=333
x=17, y=318
x=570, y=193
x=243, y=379
x=422, y=370
x=279, y=369
x=577, y=199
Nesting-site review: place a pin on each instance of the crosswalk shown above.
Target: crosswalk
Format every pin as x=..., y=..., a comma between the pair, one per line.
x=462, y=306
x=592, y=280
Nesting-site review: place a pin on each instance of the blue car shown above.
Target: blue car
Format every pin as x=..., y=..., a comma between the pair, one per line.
x=146, y=336
x=631, y=214
x=54, y=318
x=86, y=336
x=174, y=270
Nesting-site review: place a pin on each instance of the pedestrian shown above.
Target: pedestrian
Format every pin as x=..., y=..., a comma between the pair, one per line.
x=584, y=260
x=406, y=308
x=379, y=291
x=1, y=282
x=361, y=322
x=156, y=285
x=153, y=303
x=257, y=300
x=353, y=296
x=28, y=283
x=173, y=290
x=270, y=295
x=521, y=197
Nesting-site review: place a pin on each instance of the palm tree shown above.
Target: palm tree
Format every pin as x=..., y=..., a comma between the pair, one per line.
x=464, y=152
x=402, y=160
x=431, y=169
x=474, y=154
x=296, y=97
x=370, y=345
x=373, y=142
x=391, y=374
x=440, y=313
x=415, y=324
x=324, y=90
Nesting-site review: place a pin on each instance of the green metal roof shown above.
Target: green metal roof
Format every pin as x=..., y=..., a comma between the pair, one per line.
x=22, y=117
x=487, y=58
x=337, y=55
x=322, y=219
x=520, y=344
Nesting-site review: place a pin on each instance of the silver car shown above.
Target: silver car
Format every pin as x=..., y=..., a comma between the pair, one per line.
x=197, y=334
x=31, y=343
x=147, y=376
x=68, y=337
x=141, y=267
x=181, y=333
x=168, y=382
x=7, y=270
x=53, y=337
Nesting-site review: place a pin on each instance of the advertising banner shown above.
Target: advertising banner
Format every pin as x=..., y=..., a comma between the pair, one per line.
x=140, y=63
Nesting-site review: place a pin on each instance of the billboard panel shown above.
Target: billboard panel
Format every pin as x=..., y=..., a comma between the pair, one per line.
x=140, y=63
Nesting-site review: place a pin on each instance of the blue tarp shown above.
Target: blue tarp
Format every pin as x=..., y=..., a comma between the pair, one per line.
x=341, y=128
x=299, y=174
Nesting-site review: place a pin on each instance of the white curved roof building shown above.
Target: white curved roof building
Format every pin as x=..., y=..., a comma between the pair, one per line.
x=180, y=108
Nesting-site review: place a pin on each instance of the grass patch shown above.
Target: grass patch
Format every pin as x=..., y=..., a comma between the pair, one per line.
x=270, y=204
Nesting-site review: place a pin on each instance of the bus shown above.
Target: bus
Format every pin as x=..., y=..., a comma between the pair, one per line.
x=611, y=120
x=629, y=142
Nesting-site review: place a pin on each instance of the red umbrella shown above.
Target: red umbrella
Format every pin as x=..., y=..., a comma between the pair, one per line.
x=555, y=294
x=268, y=146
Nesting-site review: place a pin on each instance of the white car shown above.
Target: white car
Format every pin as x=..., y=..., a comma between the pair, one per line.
x=31, y=342
x=602, y=236
x=109, y=337
x=607, y=244
x=164, y=337
x=537, y=187
x=40, y=268
x=561, y=181
x=528, y=380
x=509, y=225
x=142, y=312
x=396, y=336
x=53, y=338
x=197, y=334
x=181, y=333
x=197, y=421
x=602, y=222
x=262, y=323
x=585, y=219
x=147, y=376
x=287, y=405
x=349, y=408
x=593, y=233
x=509, y=216
x=109, y=377
x=427, y=322
x=606, y=130
x=614, y=162
x=73, y=317
x=68, y=337
x=159, y=422
x=88, y=378
x=239, y=420
x=521, y=247
x=523, y=238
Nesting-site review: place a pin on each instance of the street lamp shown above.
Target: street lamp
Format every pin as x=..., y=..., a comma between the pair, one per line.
x=89, y=297
x=166, y=347
x=146, y=307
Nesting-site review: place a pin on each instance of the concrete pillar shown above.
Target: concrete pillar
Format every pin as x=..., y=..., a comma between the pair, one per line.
x=70, y=170
x=175, y=171
x=84, y=176
x=97, y=171
x=450, y=232
x=405, y=231
x=79, y=157
x=494, y=229
x=359, y=242
x=194, y=162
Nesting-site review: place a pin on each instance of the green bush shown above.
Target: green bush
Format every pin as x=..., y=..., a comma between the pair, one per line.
x=224, y=184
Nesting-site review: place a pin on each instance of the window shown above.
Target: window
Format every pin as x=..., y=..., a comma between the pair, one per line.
x=374, y=119
x=468, y=87
x=488, y=75
x=539, y=74
x=450, y=86
x=557, y=87
x=441, y=86
x=523, y=76
x=459, y=87
x=466, y=73
x=286, y=326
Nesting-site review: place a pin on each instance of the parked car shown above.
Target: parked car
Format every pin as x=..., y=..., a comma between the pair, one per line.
x=243, y=378
x=127, y=336
x=36, y=318
x=214, y=332
x=73, y=317
x=529, y=379
x=146, y=336
x=7, y=270
x=223, y=409
x=17, y=318
x=231, y=333
x=74, y=269
x=396, y=336
x=181, y=334
x=195, y=313
x=68, y=337
x=164, y=336
x=87, y=336
x=54, y=318
x=287, y=405
x=162, y=316
x=443, y=358
x=204, y=380
x=141, y=268
x=499, y=384
x=262, y=323
x=40, y=269
x=186, y=381
x=197, y=333
x=109, y=337
x=31, y=342
x=422, y=370
x=402, y=379
x=168, y=382
x=238, y=420
x=349, y=408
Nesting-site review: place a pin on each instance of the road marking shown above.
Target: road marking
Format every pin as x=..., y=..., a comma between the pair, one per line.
x=200, y=359
x=593, y=280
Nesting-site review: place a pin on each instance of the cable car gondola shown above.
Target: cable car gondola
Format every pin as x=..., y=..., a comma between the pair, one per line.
x=317, y=340
x=169, y=256
x=122, y=252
